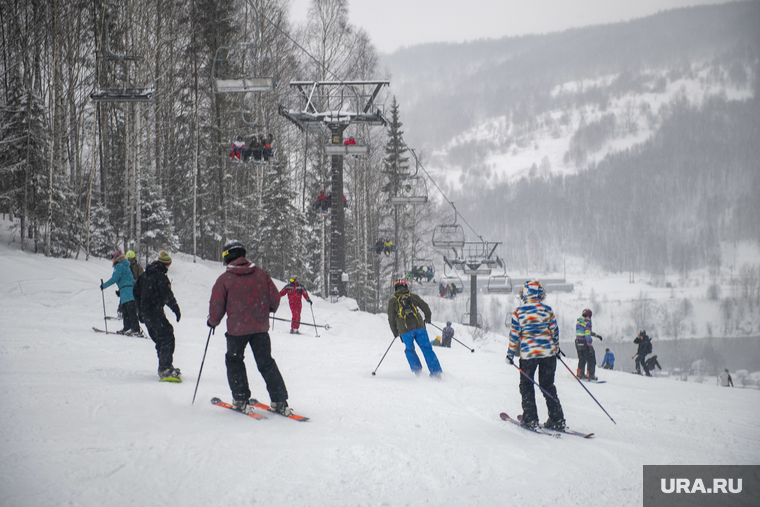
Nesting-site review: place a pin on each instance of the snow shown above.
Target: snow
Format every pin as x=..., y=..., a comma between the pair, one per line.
x=85, y=421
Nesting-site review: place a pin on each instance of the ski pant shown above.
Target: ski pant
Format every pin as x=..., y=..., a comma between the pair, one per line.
x=546, y=367
x=641, y=362
x=421, y=337
x=295, y=310
x=162, y=334
x=446, y=340
x=608, y=366
x=586, y=359
x=262, y=353
x=129, y=313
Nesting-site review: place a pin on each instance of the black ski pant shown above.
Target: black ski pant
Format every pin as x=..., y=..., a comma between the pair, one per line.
x=641, y=362
x=546, y=367
x=162, y=334
x=262, y=353
x=129, y=313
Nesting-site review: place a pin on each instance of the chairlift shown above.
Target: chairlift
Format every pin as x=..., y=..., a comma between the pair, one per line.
x=243, y=68
x=411, y=190
x=141, y=86
x=499, y=284
x=466, y=319
x=449, y=235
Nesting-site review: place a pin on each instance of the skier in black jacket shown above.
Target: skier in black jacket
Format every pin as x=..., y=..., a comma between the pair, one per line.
x=645, y=347
x=152, y=291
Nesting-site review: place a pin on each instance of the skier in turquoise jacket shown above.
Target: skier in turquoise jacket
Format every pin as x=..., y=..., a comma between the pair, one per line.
x=122, y=277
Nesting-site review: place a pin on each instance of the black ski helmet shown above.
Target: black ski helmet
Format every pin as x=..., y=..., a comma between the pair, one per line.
x=232, y=251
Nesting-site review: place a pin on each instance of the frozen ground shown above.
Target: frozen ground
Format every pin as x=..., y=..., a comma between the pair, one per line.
x=86, y=423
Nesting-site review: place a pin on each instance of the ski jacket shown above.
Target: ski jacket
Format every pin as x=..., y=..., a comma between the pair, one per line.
x=584, y=336
x=402, y=325
x=645, y=345
x=136, y=268
x=295, y=291
x=724, y=379
x=153, y=291
x=448, y=332
x=609, y=358
x=533, y=332
x=247, y=294
x=123, y=278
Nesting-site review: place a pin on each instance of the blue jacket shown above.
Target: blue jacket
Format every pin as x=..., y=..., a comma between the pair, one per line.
x=609, y=358
x=122, y=277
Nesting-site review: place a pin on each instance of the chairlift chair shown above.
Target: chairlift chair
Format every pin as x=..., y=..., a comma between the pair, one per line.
x=240, y=68
x=411, y=190
x=499, y=284
x=448, y=236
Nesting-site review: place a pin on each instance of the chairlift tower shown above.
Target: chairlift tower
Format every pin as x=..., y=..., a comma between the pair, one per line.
x=331, y=106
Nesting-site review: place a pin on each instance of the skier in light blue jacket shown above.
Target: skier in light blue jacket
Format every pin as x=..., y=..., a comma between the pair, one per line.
x=122, y=277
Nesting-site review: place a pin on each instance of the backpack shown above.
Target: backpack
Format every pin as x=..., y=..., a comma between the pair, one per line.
x=406, y=306
x=647, y=347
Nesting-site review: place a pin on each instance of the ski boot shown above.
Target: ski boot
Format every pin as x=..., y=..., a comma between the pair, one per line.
x=591, y=376
x=242, y=406
x=555, y=425
x=530, y=424
x=282, y=408
x=169, y=373
x=580, y=375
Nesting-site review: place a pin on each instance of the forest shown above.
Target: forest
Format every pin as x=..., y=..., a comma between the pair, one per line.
x=83, y=177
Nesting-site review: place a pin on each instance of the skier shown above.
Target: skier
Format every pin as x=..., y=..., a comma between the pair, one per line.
x=724, y=379
x=134, y=265
x=322, y=202
x=125, y=281
x=405, y=320
x=584, y=345
x=608, y=363
x=349, y=141
x=266, y=146
x=534, y=337
x=645, y=347
x=237, y=149
x=295, y=292
x=388, y=247
x=448, y=334
x=247, y=295
x=652, y=362
x=152, y=292
x=253, y=150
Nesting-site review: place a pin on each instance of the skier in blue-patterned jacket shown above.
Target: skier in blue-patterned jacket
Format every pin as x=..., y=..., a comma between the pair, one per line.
x=534, y=337
x=584, y=345
x=122, y=277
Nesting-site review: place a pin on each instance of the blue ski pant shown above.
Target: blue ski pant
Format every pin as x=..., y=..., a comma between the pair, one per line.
x=421, y=337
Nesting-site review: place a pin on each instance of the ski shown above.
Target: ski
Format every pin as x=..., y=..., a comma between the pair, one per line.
x=589, y=381
x=566, y=431
x=539, y=430
x=256, y=403
x=220, y=403
x=120, y=334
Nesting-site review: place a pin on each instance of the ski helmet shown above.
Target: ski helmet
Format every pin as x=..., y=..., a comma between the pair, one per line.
x=293, y=279
x=586, y=313
x=130, y=254
x=401, y=282
x=232, y=251
x=448, y=323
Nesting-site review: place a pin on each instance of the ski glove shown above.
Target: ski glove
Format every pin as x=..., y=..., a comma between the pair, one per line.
x=118, y=294
x=510, y=359
x=309, y=301
x=101, y=286
x=208, y=323
x=600, y=337
x=178, y=314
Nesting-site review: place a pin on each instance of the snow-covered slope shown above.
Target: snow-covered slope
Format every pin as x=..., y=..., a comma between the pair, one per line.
x=85, y=421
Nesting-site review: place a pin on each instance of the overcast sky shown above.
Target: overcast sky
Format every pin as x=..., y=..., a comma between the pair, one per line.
x=392, y=24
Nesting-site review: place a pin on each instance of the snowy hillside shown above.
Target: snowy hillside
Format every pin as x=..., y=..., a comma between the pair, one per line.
x=85, y=421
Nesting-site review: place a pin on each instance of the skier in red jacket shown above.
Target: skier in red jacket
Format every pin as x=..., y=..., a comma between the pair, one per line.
x=295, y=291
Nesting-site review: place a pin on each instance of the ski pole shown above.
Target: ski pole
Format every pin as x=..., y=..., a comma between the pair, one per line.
x=102, y=295
x=581, y=383
x=532, y=380
x=210, y=331
x=386, y=353
x=326, y=326
x=314, y=320
x=441, y=330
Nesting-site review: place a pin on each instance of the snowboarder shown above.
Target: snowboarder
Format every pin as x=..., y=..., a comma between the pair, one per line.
x=134, y=265
x=448, y=334
x=295, y=292
x=405, y=320
x=584, y=345
x=645, y=347
x=608, y=363
x=153, y=291
x=247, y=294
x=652, y=362
x=534, y=337
x=125, y=281
x=724, y=379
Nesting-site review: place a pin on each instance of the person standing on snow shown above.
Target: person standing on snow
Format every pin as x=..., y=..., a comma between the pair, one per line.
x=134, y=265
x=125, y=281
x=534, y=337
x=295, y=292
x=608, y=363
x=247, y=294
x=153, y=291
x=405, y=320
x=724, y=379
x=448, y=334
x=645, y=347
x=584, y=345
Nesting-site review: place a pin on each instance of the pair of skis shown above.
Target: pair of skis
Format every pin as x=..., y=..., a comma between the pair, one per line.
x=545, y=431
x=256, y=403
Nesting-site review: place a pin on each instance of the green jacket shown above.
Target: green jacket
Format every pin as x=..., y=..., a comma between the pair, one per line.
x=400, y=325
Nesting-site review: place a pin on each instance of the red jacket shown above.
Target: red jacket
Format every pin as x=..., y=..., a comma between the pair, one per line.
x=247, y=294
x=294, y=292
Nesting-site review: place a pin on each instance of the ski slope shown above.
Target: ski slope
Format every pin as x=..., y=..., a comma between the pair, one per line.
x=85, y=421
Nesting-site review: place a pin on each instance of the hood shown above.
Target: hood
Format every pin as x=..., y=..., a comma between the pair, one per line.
x=240, y=266
x=156, y=266
x=402, y=290
x=532, y=292
x=118, y=259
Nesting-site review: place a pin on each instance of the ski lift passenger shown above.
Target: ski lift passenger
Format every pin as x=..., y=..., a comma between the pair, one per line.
x=236, y=154
x=349, y=141
x=266, y=146
x=429, y=273
x=441, y=290
x=388, y=246
x=254, y=150
x=322, y=201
